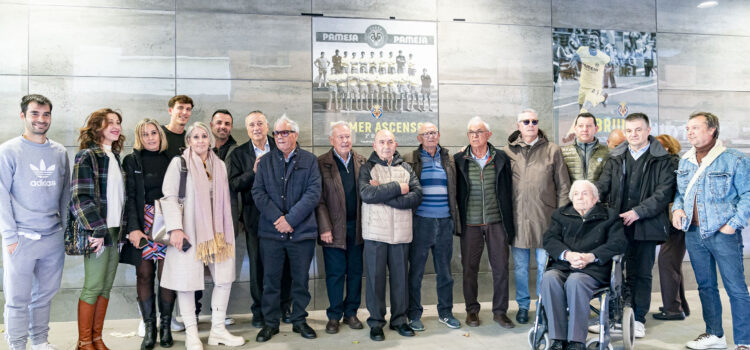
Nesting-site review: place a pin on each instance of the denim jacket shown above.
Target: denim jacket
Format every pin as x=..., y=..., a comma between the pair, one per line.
x=722, y=190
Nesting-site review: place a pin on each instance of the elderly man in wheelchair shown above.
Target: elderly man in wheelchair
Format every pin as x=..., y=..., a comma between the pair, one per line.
x=585, y=242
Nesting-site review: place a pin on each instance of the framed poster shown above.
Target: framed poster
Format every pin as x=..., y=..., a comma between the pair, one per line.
x=607, y=73
x=373, y=74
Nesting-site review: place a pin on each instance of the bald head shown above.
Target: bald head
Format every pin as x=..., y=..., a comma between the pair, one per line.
x=616, y=137
x=385, y=144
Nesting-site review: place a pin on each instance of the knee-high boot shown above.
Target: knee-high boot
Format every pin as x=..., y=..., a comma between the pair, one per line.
x=149, y=319
x=219, y=333
x=100, y=312
x=85, y=325
x=165, y=324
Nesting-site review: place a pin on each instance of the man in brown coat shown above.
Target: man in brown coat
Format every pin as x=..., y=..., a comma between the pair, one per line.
x=540, y=185
x=341, y=235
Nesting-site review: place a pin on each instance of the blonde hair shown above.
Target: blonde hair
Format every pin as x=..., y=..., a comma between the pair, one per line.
x=138, y=144
x=199, y=125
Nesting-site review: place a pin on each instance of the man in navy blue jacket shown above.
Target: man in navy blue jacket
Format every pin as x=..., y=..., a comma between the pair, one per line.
x=287, y=190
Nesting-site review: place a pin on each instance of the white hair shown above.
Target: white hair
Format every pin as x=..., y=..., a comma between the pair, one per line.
x=594, y=189
x=199, y=125
x=475, y=120
x=526, y=110
x=337, y=124
x=285, y=119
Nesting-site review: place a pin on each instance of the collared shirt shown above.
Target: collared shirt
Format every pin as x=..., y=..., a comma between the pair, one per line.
x=343, y=161
x=482, y=161
x=637, y=154
x=289, y=157
x=259, y=152
x=434, y=181
x=532, y=143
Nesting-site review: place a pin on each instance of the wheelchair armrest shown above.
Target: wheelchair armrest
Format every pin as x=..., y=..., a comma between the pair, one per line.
x=615, y=277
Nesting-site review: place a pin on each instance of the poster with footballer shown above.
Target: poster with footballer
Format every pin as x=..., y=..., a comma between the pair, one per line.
x=373, y=74
x=607, y=73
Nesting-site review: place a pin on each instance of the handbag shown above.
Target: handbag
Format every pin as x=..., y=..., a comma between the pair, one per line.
x=76, y=236
x=159, y=228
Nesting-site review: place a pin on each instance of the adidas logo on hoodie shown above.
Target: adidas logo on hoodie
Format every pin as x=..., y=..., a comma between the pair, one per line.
x=42, y=173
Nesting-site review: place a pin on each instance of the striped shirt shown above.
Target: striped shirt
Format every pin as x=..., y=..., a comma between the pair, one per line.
x=434, y=183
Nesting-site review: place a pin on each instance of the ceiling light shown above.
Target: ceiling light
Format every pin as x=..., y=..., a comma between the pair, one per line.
x=708, y=4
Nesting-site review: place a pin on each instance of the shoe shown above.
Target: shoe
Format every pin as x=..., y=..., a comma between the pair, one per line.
x=472, y=319
x=148, y=311
x=450, y=321
x=522, y=316
x=228, y=321
x=176, y=326
x=304, y=330
x=85, y=325
x=44, y=346
x=403, y=329
x=286, y=317
x=616, y=329
x=686, y=313
x=416, y=325
x=557, y=345
x=669, y=317
x=376, y=334
x=503, y=321
x=265, y=334
x=219, y=333
x=100, y=312
x=258, y=321
x=192, y=340
x=141, y=329
x=574, y=345
x=165, y=323
x=707, y=341
x=353, y=322
x=332, y=327
x=639, y=330
x=736, y=347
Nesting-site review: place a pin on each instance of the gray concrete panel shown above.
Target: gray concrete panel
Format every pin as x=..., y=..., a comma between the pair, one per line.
x=14, y=23
x=639, y=15
x=128, y=4
x=729, y=17
x=287, y=7
x=532, y=12
x=408, y=10
x=12, y=88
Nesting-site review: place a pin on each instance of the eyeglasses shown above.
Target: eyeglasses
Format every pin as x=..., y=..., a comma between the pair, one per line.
x=476, y=133
x=429, y=134
x=532, y=121
x=282, y=133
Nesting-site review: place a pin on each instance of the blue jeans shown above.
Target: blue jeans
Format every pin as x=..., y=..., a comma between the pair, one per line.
x=726, y=251
x=344, y=267
x=435, y=234
x=521, y=270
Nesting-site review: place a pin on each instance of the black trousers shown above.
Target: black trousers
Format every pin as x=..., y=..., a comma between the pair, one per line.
x=394, y=257
x=639, y=260
x=670, y=273
x=472, y=246
x=300, y=254
x=256, y=276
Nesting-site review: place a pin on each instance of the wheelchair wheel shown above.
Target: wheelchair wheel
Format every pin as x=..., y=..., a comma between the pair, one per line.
x=543, y=343
x=628, y=328
x=593, y=344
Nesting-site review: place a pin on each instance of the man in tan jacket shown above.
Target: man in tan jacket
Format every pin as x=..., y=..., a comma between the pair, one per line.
x=389, y=190
x=540, y=185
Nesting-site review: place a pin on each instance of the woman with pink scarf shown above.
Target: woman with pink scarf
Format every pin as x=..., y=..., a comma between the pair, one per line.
x=200, y=234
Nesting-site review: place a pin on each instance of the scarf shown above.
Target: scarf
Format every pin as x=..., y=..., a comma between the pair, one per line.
x=214, y=232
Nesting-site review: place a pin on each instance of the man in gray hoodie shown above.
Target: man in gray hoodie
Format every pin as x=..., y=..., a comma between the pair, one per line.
x=34, y=195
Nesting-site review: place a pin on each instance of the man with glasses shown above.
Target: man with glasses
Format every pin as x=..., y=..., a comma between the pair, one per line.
x=540, y=185
x=286, y=191
x=485, y=207
x=435, y=221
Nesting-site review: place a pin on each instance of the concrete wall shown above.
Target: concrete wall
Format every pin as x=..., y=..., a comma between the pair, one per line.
x=134, y=55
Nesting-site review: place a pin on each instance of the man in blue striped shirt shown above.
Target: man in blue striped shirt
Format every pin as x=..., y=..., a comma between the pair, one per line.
x=434, y=223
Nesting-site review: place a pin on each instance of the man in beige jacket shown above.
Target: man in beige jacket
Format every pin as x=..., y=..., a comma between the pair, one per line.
x=540, y=185
x=389, y=190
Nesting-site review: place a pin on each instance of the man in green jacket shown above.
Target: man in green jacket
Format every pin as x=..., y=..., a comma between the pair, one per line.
x=586, y=156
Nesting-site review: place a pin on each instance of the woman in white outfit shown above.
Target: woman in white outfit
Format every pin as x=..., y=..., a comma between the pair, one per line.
x=204, y=222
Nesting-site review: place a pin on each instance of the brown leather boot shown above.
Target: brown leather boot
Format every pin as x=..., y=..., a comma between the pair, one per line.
x=99, y=314
x=85, y=325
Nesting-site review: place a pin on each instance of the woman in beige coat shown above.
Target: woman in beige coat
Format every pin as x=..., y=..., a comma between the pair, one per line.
x=200, y=234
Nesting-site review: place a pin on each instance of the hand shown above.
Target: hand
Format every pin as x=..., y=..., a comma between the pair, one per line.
x=176, y=237
x=283, y=226
x=135, y=237
x=97, y=244
x=726, y=229
x=629, y=217
x=327, y=237
x=374, y=183
x=12, y=248
x=677, y=217
x=404, y=188
x=255, y=166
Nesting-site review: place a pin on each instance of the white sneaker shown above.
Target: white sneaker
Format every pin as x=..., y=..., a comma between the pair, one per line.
x=141, y=329
x=616, y=329
x=228, y=321
x=45, y=346
x=707, y=341
x=639, y=330
x=176, y=326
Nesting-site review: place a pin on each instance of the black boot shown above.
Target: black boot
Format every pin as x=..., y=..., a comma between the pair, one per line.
x=149, y=319
x=165, y=326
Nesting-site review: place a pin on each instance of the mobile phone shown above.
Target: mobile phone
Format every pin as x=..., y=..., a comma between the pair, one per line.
x=185, y=245
x=142, y=243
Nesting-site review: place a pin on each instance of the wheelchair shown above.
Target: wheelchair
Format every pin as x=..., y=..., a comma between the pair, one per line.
x=612, y=310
